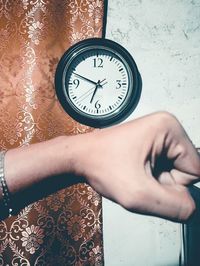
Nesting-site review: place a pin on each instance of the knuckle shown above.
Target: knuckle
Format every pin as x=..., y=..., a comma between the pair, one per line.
x=167, y=122
x=167, y=118
x=181, y=150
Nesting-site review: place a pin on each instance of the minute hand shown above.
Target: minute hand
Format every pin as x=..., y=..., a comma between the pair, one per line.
x=98, y=85
x=84, y=78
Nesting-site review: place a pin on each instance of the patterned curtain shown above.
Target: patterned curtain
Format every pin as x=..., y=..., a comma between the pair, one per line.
x=66, y=227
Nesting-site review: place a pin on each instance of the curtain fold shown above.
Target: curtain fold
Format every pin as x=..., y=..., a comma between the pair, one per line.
x=66, y=227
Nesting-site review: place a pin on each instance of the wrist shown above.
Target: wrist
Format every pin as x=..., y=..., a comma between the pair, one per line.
x=64, y=153
x=79, y=151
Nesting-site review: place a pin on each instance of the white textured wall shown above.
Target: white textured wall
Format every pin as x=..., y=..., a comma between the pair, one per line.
x=163, y=36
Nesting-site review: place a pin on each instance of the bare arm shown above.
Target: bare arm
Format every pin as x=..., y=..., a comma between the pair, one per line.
x=35, y=171
x=30, y=165
x=126, y=164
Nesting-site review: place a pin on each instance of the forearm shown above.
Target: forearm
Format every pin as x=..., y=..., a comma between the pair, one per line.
x=29, y=165
x=43, y=163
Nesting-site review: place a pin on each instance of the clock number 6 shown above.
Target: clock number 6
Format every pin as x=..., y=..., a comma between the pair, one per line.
x=98, y=62
x=97, y=105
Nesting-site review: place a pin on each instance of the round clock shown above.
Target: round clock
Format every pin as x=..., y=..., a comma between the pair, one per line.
x=97, y=82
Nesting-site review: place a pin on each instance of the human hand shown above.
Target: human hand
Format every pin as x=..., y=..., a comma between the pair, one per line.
x=144, y=165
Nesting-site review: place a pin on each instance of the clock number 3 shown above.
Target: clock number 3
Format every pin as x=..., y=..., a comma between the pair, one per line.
x=98, y=62
x=119, y=84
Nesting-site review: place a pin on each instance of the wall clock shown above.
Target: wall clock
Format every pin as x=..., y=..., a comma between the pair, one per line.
x=97, y=82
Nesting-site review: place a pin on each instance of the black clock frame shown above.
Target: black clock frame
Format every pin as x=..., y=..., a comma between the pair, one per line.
x=61, y=90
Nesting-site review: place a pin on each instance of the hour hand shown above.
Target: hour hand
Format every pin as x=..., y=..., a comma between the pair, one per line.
x=86, y=79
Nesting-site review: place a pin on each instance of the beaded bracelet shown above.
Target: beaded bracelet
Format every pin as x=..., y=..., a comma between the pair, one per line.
x=5, y=192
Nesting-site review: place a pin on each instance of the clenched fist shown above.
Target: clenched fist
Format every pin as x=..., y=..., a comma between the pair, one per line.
x=144, y=165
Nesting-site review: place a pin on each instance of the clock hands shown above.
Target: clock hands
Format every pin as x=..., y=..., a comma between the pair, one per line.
x=98, y=85
x=87, y=93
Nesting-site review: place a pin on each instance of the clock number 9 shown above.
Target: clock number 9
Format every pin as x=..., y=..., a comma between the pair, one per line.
x=76, y=82
x=98, y=62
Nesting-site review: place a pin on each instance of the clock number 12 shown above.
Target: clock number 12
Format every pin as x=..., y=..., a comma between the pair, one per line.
x=98, y=62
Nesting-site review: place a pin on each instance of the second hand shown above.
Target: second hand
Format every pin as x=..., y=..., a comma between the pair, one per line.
x=87, y=93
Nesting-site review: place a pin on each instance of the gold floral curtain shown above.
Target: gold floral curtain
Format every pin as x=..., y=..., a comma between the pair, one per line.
x=66, y=227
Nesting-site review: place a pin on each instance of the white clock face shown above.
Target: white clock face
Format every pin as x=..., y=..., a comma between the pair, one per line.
x=97, y=82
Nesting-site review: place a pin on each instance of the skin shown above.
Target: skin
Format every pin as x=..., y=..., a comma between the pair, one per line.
x=144, y=165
